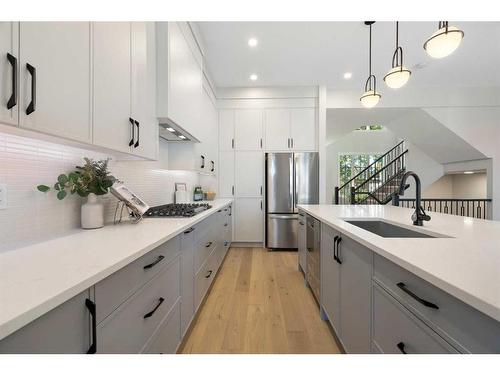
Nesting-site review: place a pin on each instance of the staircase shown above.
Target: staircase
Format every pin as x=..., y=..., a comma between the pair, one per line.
x=378, y=182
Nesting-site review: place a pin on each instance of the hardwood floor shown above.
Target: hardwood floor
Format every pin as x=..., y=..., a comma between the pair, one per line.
x=259, y=304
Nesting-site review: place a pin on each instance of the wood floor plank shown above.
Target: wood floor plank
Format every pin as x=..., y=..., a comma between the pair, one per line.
x=259, y=303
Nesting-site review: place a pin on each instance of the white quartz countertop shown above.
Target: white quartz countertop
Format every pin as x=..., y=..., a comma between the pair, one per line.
x=37, y=278
x=465, y=265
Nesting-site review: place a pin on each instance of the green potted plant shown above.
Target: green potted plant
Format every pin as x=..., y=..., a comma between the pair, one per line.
x=89, y=180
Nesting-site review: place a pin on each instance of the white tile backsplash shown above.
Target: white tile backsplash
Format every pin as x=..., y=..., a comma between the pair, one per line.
x=33, y=216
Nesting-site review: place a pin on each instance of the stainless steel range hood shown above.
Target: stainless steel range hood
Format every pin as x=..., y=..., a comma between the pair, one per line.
x=172, y=132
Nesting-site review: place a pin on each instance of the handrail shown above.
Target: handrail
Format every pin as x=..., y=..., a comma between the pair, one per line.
x=383, y=168
x=449, y=199
x=376, y=161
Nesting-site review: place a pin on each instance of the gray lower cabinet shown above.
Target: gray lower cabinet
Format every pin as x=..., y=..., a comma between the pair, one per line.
x=63, y=330
x=330, y=278
x=167, y=337
x=301, y=236
x=397, y=331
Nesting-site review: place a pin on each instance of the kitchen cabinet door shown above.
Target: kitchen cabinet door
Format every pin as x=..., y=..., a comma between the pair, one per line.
x=248, y=225
x=9, y=71
x=355, y=295
x=330, y=278
x=226, y=174
x=249, y=173
x=112, y=85
x=55, y=97
x=143, y=94
x=187, y=279
x=63, y=330
x=226, y=129
x=277, y=129
x=302, y=242
x=248, y=129
x=303, y=129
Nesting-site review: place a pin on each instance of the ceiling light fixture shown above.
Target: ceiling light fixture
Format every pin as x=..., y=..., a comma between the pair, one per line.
x=370, y=97
x=182, y=137
x=253, y=77
x=468, y=172
x=252, y=42
x=444, y=41
x=398, y=76
x=347, y=75
x=171, y=130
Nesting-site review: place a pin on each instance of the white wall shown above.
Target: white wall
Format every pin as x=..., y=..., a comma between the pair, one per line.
x=32, y=216
x=458, y=186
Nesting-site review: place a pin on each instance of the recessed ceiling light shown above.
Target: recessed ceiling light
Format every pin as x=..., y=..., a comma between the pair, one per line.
x=347, y=75
x=469, y=172
x=171, y=130
x=182, y=137
x=253, y=77
x=252, y=42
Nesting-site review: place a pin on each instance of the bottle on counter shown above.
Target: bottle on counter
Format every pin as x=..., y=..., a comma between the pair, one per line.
x=198, y=194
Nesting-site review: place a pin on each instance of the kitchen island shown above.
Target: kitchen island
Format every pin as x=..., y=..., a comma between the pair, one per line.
x=458, y=264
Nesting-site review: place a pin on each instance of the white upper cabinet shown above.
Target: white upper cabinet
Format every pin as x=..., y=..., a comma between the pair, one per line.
x=226, y=129
x=179, y=76
x=277, y=125
x=9, y=72
x=143, y=86
x=249, y=173
x=248, y=129
x=55, y=77
x=113, y=126
x=291, y=129
x=303, y=129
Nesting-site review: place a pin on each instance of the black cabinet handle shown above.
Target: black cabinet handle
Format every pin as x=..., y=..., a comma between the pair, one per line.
x=261, y=143
x=288, y=144
x=335, y=247
x=151, y=265
x=150, y=314
x=225, y=224
x=403, y=287
x=32, y=106
x=232, y=143
x=208, y=244
x=291, y=142
x=131, y=120
x=401, y=347
x=338, y=253
x=13, y=97
x=261, y=205
x=188, y=231
x=226, y=243
x=232, y=190
x=202, y=161
x=138, y=133
x=213, y=166
x=92, y=310
x=261, y=190
x=301, y=223
x=209, y=273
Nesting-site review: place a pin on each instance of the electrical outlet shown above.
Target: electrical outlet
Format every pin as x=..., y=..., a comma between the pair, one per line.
x=3, y=196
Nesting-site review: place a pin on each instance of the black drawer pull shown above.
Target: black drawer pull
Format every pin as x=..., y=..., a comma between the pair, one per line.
x=225, y=224
x=213, y=166
x=13, y=97
x=151, y=265
x=301, y=223
x=150, y=314
x=32, y=106
x=208, y=244
x=401, y=347
x=138, y=133
x=202, y=161
x=335, y=247
x=132, y=141
x=403, y=287
x=209, y=273
x=92, y=310
x=337, y=256
x=188, y=231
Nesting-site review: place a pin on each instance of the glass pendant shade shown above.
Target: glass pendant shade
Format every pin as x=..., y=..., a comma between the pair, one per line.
x=397, y=77
x=370, y=99
x=444, y=41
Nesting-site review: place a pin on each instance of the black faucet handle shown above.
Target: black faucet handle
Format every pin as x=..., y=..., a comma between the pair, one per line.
x=423, y=215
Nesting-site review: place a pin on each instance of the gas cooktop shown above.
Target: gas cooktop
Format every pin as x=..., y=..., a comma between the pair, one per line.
x=177, y=210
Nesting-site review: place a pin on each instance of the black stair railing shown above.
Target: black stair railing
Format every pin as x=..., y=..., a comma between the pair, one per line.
x=475, y=208
x=368, y=185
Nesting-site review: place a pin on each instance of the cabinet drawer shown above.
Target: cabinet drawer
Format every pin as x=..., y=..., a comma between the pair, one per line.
x=128, y=328
x=115, y=289
x=202, y=249
x=166, y=339
x=396, y=329
x=204, y=278
x=465, y=327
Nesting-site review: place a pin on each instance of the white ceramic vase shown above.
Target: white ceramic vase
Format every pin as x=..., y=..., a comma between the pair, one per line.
x=92, y=213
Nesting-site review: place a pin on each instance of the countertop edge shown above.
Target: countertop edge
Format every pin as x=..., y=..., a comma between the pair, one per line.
x=29, y=315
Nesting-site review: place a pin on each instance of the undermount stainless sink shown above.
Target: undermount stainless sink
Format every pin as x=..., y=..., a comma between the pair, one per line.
x=387, y=230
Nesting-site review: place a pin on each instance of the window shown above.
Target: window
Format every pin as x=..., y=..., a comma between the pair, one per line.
x=351, y=164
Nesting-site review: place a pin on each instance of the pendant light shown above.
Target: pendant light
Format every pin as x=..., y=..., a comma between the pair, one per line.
x=444, y=41
x=398, y=76
x=370, y=97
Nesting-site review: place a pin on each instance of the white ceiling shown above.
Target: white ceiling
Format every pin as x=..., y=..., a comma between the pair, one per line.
x=318, y=53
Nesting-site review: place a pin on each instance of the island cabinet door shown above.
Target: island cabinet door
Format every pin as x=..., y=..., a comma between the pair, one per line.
x=302, y=242
x=63, y=330
x=355, y=294
x=330, y=277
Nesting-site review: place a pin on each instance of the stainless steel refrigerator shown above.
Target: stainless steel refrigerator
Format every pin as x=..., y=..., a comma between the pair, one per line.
x=291, y=179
